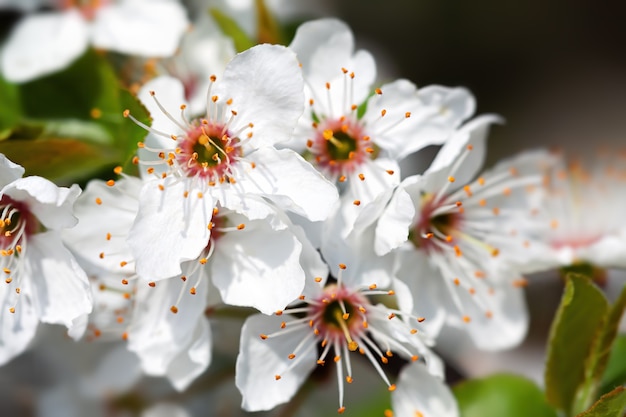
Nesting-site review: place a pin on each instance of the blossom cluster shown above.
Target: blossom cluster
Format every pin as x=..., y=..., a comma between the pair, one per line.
x=269, y=181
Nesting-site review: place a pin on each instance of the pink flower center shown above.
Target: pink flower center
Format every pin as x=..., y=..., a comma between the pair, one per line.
x=207, y=151
x=435, y=222
x=340, y=313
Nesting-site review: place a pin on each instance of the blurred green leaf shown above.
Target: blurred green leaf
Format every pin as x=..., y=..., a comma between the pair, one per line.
x=501, y=395
x=10, y=112
x=612, y=404
x=576, y=331
x=72, y=122
x=615, y=374
x=233, y=30
x=608, y=339
x=268, y=30
x=60, y=159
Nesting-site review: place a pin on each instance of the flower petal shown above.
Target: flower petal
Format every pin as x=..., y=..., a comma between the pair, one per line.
x=43, y=43
x=9, y=171
x=392, y=229
x=293, y=184
x=145, y=28
x=420, y=393
x=259, y=362
x=249, y=272
x=60, y=290
x=17, y=329
x=265, y=83
x=169, y=229
x=51, y=205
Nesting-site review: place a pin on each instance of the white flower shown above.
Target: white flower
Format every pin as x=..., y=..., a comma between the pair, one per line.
x=42, y=280
x=420, y=394
x=225, y=158
x=45, y=42
x=277, y=353
x=456, y=239
x=580, y=218
x=357, y=139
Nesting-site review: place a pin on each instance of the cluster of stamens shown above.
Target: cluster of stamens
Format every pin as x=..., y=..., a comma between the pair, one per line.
x=339, y=319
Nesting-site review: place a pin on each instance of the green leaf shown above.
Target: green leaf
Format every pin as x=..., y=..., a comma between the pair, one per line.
x=612, y=404
x=76, y=115
x=59, y=159
x=10, y=113
x=268, y=29
x=615, y=374
x=608, y=338
x=233, y=30
x=576, y=330
x=501, y=395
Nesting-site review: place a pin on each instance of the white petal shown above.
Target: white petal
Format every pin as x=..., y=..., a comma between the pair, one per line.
x=609, y=252
x=250, y=272
x=145, y=28
x=293, y=184
x=105, y=215
x=265, y=83
x=165, y=410
x=43, y=43
x=164, y=340
x=61, y=289
x=418, y=391
x=9, y=171
x=51, y=205
x=260, y=360
x=169, y=229
x=170, y=93
x=456, y=104
x=17, y=329
x=473, y=133
x=392, y=229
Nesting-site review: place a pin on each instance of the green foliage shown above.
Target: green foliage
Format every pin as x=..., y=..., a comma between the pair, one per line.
x=268, y=30
x=612, y=404
x=615, y=374
x=69, y=125
x=231, y=29
x=501, y=395
x=10, y=112
x=581, y=338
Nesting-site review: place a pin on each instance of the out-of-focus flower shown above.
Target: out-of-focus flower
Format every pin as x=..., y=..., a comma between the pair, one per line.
x=225, y=159
x=419, y=394
x=42, y=280
x=357, y=136
x=580, y=219
x=454, y=237
x=272, y=364
x=42, y=43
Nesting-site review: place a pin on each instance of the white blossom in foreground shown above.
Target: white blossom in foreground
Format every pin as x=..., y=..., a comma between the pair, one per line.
x=42, y=280
x=455, y=238
x=418, y=394
x=277, y=353
x=44, y=42
x=580, y=218
x=225, y=159
x=356, y=136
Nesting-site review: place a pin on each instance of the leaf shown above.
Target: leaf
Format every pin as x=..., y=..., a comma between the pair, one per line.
x=59, y=159
x=576, y=329
x=612, y=404
x=608, y=337
x=233, y=30
x=11, y=107
x=268, y=29
x=615, y=373
x=501, y=395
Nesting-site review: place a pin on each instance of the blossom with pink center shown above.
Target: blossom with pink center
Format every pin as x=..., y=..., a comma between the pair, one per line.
x=164, y=320
x=42, y=280
x=225, y=158
x=45, y=42
x=460, y=234
x=331, y=321
x=579, y=220
x=354, y=134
